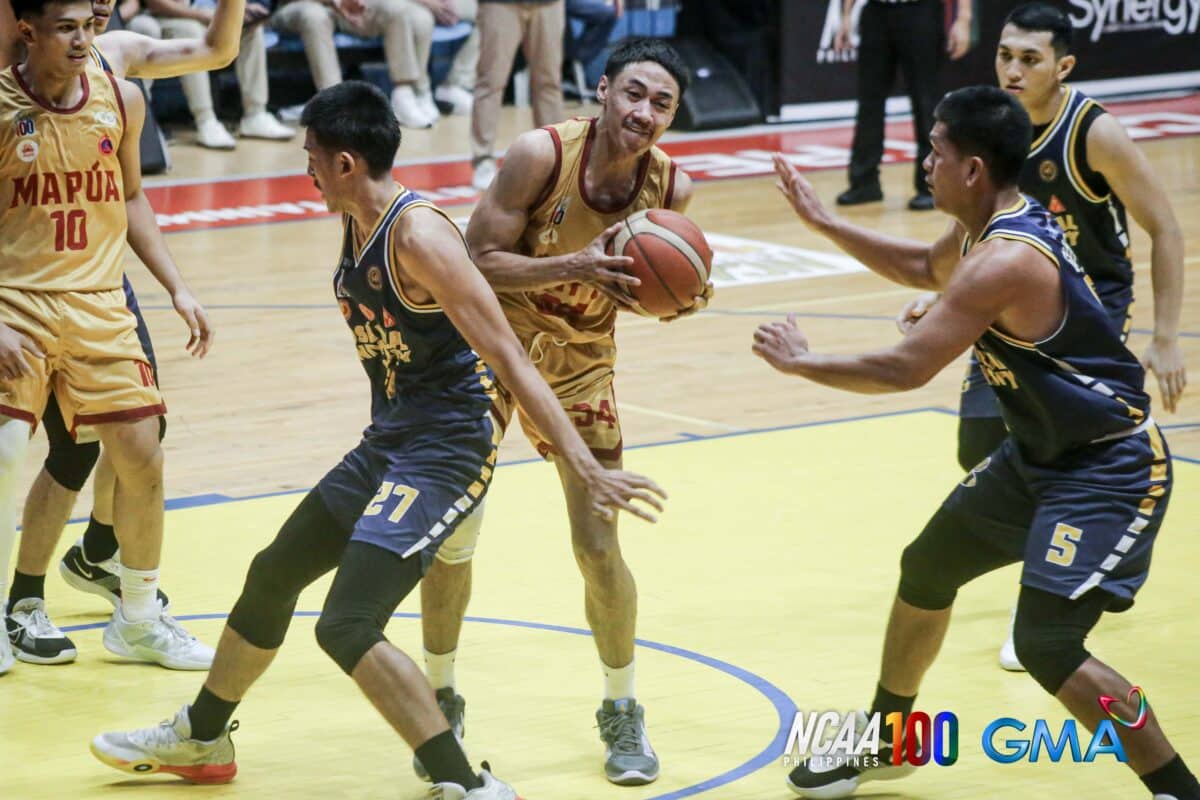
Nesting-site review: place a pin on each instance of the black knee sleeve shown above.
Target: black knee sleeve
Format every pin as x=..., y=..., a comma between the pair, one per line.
x=309, y=544
x=68, y=462
x=162, y=427
x=922, y=584
x=370, y=583
x=1050, y=631
x=978, y=437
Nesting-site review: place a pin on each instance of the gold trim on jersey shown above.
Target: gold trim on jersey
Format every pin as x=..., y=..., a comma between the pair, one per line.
x=1052, y=128
x=1074, y=174
x=397, y=285
x=1017, y=236
x=355, y=249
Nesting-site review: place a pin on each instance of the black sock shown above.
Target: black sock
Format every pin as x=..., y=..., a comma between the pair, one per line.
x=1173, y=778
x=99, y=541
x=26, y=586
x=886, y=703
x=444, y=760
x=209, y=715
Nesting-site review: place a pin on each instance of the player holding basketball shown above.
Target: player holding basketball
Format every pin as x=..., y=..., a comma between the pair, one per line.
x=1079, y=489
x=417, y=307
x=539, y=237
x=70, y=181
x=1084, y=168
x=93, y=564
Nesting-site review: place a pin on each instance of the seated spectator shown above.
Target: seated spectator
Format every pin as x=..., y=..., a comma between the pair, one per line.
x=457, y=90
x=406, y=27
x=176, y=19
x=598, y=18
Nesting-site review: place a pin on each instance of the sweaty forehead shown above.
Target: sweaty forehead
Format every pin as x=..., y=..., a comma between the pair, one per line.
x=650, y=74
x=1019, y=40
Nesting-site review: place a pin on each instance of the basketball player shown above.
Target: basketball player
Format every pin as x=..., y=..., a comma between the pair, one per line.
x=539, y=236
x=1084, y=168
x=417, y=307
x=71, y=186
x=1077, y=491
x=69, y=462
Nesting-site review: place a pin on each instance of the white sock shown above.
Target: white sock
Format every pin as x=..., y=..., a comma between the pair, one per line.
x=618, y=681
x=14, y=441
x=439, y=669
x=139, y=594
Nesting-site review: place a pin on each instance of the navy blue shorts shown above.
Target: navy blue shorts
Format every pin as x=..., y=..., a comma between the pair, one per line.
x=978, y=399
x=1087, y=521
x=407, y=492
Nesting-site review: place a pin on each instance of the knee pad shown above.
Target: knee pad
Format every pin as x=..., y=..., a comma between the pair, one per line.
x=70, y=463
x=922, y=583
x=162, y=427
x=978, y=437
x=347, y=636
x=459, y=547
x=1049, y=633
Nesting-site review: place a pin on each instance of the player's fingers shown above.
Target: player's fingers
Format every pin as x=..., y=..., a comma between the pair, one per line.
x=1164, y=388
x=637, y=511
x=648, y=499
x=616, y=276
x=642, y=482
x=602, y=511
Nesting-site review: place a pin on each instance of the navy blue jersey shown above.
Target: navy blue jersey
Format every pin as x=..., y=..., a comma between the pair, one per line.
x=422, y=371
x=1057, y=174
x=1079, y=384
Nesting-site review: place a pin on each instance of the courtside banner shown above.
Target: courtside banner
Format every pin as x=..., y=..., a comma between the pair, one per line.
x=1123, y=46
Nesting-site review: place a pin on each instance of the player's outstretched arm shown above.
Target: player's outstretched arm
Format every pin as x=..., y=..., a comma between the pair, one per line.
x=144, y=236
x=1129, y=174
x=496, y=227
x=904, y=261
x=141, y=56
x=971, y=302
x=433, y=255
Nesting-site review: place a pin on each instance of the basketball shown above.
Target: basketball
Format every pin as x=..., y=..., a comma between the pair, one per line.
x=670, y=256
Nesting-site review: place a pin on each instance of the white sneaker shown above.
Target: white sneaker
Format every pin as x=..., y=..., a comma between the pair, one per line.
x=212, y=134
x=7, y=659
x=168, y=747
x=492, y=789
x=484, y=174
x=291, y=114
x=35, y=639
x=1008, y=651
x=407, y=109
x=457, y=97
x=261, y=125
x=161, y=640
x=426, y=104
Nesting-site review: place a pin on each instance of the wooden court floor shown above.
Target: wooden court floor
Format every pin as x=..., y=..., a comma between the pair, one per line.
x=776, y=558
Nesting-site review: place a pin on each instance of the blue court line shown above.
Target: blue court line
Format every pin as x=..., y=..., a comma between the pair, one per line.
x=783, y=705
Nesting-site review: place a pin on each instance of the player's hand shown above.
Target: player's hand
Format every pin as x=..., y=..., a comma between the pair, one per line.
x=443, y=11
x=621, y=298
x=1164, y=358
x=780, y=344
x=593, y=265
x=254, y=14
x=15, y=349
x=841, y=39
x=800, y=194
x=699, y=303
x=958, y=40
x=200, y=331
x=911, y=314
x=613, y=490
x=352, y=10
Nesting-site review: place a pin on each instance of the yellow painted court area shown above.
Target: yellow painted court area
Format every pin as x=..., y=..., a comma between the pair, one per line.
x=778, y=556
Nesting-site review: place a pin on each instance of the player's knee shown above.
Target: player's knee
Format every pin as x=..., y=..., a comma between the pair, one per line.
x=459, y=547
x=346, y=636
x=70, y=463
x=1051, y=653
x=596, y=553
x=135, y=451
x=922, y=582
x=978, y=437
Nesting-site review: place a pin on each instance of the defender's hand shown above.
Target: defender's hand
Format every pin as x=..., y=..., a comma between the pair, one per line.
x=911, y=314
x=1164, y=358
x=800, y=194
x=780, y=344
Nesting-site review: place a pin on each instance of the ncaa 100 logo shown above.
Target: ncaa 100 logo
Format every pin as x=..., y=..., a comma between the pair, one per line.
x=858, y=740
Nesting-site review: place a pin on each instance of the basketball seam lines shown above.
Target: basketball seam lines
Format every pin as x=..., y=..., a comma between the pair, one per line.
x=633, y=238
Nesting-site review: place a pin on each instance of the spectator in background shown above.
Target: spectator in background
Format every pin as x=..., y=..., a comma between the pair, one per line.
x=457, y=90
x=536, y=26
x=598, y=18
x=406, y=27
x=909, y=36
x=178, y=19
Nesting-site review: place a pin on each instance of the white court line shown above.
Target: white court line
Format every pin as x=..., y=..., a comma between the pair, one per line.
x=677, y=417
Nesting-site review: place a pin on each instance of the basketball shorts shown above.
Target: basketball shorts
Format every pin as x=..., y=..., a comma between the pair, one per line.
x=95, y=364
x=1086, y=522
x=978, y=399
x=581, y=376
x=407, y=492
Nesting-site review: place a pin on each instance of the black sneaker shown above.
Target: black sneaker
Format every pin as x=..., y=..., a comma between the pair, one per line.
x=857, y=195
x=103, y=578
x=921, y=201
x=454, y=708
x=828, y=777
x=34, y=638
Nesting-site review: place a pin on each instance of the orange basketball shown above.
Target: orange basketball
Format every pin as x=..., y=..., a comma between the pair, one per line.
x=670, y=256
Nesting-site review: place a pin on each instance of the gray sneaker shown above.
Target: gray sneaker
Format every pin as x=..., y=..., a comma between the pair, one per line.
x=161, y=640
x=629, y=760
x=454, y=707
x=169, y=747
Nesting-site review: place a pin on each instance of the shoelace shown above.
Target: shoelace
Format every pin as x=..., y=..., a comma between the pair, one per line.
x=620, y=731
x=162, y=735
x=175, y=629
x=40, y=626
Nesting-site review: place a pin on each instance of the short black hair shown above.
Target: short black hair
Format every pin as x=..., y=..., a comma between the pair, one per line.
x=988, y=122
x=631, y=51
x=355, y=116
x=24, y=9
x=1038, y=17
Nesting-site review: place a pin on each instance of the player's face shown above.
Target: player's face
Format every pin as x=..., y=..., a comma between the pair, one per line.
x=1027, y=66
x=639, y=104
x=61, y=36
x=944, y=168
x=321, y=169
x=102, y=11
